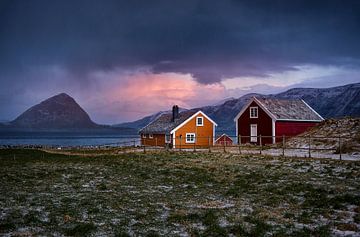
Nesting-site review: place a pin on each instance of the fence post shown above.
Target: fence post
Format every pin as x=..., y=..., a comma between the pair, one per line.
x=340, y=147
x=180, y=141
x=239, y=141
x=195, y=145
x=260, y=144
x=309, y=145
x=134, y=143
x=209, y=144
x=283, y=145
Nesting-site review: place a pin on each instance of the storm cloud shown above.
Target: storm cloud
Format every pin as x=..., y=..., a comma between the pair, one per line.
x=64, y=42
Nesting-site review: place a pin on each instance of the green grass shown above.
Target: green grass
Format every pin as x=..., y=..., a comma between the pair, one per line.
x=170, y=194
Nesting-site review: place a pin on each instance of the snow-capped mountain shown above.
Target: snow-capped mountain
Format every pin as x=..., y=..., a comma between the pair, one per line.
x=332, y=102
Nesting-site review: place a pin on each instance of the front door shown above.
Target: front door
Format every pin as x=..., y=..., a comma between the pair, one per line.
x=253, y=132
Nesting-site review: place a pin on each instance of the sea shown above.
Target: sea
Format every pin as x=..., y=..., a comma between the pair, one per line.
x=67, y=139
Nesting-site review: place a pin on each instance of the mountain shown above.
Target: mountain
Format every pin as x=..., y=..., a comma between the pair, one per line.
x=332, y=102
x=58, y=112
x=144, y=121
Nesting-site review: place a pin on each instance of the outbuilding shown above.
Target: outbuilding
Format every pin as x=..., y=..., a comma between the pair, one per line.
x=224, y=140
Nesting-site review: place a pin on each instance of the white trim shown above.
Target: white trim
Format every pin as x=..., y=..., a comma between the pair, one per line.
x=237, y=131
x=253, y=136
x=174, y=139
x=166, y=138
x=253, y=99
x=224, y=134
x=213, y=134
x=312, y=110
x=265, y=109
x=273, y=132
x=202, y=121
x=257, y=111
x=299, y=120
x=190, y=134
x=191, y=117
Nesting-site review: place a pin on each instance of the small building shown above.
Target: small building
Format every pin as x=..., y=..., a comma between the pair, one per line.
x=274, y=118
x=224, y=140
x=180, y=130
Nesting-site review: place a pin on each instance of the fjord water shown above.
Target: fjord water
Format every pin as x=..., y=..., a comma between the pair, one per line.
x=66, y=139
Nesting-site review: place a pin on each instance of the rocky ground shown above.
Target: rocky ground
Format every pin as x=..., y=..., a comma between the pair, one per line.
x=328, y=133
x=176, y=194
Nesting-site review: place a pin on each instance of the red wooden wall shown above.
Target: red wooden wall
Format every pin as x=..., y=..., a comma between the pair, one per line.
x=291, y=128
x=264, y=125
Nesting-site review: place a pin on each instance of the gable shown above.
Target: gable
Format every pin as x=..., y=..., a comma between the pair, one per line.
x=253, y=102
x=293, y=110
x=192, y=119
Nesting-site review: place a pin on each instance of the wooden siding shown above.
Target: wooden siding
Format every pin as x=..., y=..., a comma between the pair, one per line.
x=157, y=140
x=264, y=125
x=224, y=140
x=202, y=133
x=292, y=128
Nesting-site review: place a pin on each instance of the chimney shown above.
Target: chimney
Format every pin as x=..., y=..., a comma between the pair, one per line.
x=175, y=113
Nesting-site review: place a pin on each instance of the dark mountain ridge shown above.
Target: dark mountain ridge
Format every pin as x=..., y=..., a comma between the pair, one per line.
x=334, y=102
x=58, y=113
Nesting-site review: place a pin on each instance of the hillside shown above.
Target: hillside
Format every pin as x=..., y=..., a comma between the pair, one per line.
x=346, y=128
x=58, y=112
x=332, y=102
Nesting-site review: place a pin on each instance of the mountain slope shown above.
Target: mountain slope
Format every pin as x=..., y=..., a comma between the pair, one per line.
x=58, y=112
x=332, y=102
x=329, y=102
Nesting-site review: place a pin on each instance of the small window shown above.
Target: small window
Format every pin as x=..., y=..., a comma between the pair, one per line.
x=190, y=138
x=167, y=138
x=144, y=135
x=151, y=136
x=253, y=112
x=199, y=121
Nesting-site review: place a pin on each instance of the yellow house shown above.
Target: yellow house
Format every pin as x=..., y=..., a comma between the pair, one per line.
x=182, y=130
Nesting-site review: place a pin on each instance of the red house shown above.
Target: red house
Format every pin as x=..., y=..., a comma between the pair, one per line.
x=224, y=140
x=272, y=118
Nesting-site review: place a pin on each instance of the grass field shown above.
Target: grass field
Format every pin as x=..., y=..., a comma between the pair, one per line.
x=176, y=194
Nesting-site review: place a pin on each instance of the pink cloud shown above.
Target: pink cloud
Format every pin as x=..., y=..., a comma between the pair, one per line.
x=133, y=96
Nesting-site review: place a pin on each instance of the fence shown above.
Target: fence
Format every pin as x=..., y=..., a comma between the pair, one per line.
x=272, y=145
x=309, y=146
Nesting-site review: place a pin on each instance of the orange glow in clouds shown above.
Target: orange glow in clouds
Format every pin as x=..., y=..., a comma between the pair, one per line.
x=146, y=93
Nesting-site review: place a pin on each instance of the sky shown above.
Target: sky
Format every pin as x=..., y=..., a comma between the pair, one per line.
x=122, y=60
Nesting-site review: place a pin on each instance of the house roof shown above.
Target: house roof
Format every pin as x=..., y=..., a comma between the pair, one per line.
x=163, y=124
x=222, y=136
x=280, y=109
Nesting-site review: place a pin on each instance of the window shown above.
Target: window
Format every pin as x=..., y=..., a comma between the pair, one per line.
x=253, y=112
x=144, y=135
x=167, y=138
x=199, y=121
x=190, y=138
x=151, y=136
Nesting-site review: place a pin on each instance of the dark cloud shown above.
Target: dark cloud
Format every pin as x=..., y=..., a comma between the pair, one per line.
x=209, y=39
x=253, y=37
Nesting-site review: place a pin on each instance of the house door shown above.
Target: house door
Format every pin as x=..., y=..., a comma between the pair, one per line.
x=253, y=132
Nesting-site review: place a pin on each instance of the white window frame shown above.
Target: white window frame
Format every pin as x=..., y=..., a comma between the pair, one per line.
x=254, y=137
x=192, y=140
x=197, y=121
x=256, y=108
x=144, y=135
x=167, y=138
x=151, y=136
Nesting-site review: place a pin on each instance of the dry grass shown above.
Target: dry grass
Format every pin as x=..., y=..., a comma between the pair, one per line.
x=172, y=194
